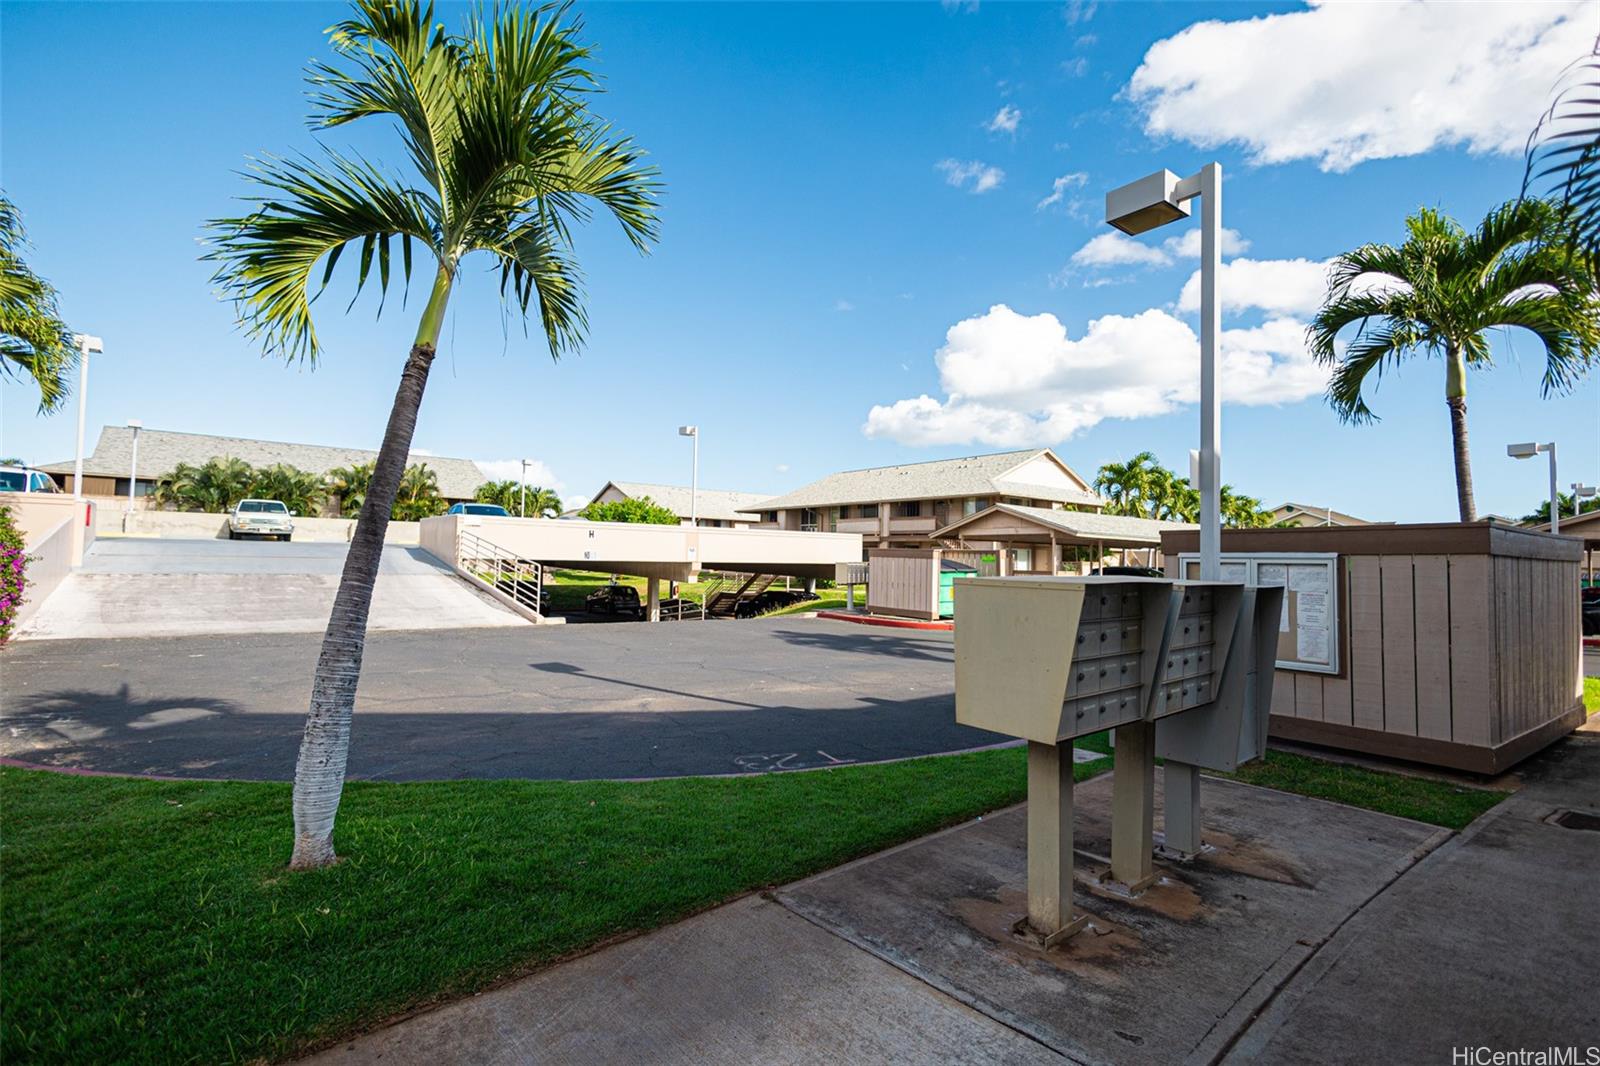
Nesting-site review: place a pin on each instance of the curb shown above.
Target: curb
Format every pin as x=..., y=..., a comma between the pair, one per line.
x=892, y=623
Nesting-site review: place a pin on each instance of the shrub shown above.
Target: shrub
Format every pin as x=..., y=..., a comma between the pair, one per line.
x=13, y=572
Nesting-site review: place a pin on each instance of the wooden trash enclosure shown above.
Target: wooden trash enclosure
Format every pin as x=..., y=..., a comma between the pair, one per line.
x=906, y=582
x=1458, y=644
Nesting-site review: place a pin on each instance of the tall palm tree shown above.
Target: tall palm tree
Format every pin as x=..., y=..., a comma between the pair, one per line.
x=349, y=485
x=1564, y=155
x=542, y=502
x=34, y=342
x=418, y=496
x=1439, y=293
x=506, y=157
x=1128, y=487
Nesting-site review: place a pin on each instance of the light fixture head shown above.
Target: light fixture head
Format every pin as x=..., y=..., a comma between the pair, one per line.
x=1522, y=451
x=134, y=423
x=1141, y=206
x=1583, y=491
x=688, y=431
x=87, y=343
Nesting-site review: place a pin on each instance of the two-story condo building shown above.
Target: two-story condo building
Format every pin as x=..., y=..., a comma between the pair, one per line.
x=902, y=506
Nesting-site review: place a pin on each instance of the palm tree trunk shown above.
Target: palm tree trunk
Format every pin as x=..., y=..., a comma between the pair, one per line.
x=1455, y=394
x=325, y=746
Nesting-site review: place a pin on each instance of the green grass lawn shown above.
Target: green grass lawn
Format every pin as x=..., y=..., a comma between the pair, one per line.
x=1591, y=694
x=154, y=921
x=1436, y=802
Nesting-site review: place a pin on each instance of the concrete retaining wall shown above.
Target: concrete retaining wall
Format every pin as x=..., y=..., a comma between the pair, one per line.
x=195, y=524
x=49, y=563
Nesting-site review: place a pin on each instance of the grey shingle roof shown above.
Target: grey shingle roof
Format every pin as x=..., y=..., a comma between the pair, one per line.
x=1112, y=529
x=160, y=450
x=973, y=475
x=719, y=504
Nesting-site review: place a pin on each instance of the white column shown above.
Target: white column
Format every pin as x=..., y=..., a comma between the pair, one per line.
x=653, y=608
x=1555, y=494
x=1210, y=397
x=83, y=409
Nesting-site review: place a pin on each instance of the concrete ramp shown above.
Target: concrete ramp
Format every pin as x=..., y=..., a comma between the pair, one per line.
x=160, y=588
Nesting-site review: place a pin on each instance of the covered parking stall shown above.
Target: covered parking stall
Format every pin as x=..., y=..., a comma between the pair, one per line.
x=1031, y=540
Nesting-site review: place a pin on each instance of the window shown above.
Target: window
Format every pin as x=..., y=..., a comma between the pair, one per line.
x=969, y=505
x=1022, y=559
x=908, y=509
x=769, y=516
x=869, y=510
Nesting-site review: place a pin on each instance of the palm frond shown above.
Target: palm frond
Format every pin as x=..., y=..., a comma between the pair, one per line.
x=1563, y=155
x=266, y=259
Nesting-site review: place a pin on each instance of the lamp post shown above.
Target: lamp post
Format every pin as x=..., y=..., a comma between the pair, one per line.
x=1528, y=451
x=133, y=464
x=86, y=344
x=1139, y=207
x=694, y=474
x=522, y=491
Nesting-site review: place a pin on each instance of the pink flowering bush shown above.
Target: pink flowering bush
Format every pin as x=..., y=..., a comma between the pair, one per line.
x=13, y=573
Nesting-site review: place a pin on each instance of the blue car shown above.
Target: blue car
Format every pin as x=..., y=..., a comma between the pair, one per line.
x=492, y=510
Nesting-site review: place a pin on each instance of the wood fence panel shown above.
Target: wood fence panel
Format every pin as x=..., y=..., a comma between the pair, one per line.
x=1399, y=645
x=1366, y=643
x=1432, y=585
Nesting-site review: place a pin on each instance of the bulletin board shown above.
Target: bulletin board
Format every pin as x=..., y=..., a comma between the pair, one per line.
x=1309, y=627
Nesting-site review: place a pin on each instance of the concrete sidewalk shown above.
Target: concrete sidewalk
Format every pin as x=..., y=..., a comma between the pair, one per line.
x=1312, y=933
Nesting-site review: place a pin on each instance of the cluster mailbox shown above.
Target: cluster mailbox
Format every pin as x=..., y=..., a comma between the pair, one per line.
x=1179, y=668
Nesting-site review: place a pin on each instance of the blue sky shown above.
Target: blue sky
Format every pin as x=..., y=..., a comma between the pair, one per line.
x=858, y=216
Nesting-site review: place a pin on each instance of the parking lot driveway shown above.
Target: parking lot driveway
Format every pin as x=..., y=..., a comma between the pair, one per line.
x=621, y=701
x=154, y=588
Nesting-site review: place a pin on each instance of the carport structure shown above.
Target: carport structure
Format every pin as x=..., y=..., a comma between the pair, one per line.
x=671, y=553
x=1005, y=526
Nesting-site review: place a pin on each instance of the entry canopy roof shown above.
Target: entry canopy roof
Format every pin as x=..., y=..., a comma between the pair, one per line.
x=1013, y=522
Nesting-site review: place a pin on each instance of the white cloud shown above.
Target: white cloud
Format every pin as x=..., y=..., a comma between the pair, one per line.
x=978, y=175
x=1078, y=11
x=1343, y=83
x=1117, y=249
x=1075, y=68
x=1060, y=188
x=843, y=305
x=782, y=468
x=511, y=470
x=1006, y=120
x=1187, y=244
x=1276, y=286
x=1012, y=380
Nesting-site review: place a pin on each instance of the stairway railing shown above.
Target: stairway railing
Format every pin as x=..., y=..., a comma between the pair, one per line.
x=522, y=580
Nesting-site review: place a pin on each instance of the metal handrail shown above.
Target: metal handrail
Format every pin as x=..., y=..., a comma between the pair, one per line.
x=520, y=579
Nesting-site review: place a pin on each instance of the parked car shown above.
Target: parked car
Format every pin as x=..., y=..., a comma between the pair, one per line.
x=1126, y=571
x=1591, y=611
x=615, y=599
x=491, y=510
x=26, y=479
x=261, y=518
x=771, y=600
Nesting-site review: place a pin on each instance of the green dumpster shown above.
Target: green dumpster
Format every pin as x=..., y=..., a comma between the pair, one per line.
x=949, y=570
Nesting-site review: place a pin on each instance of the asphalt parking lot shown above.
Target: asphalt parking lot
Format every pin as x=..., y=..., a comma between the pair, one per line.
x=623, y=701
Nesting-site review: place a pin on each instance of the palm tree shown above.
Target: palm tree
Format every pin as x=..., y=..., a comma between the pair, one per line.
x=1440, y=292
x=214, y=486
x=418, y=497
x=349, y=485
x=34, y=342
x=1128, y=487
x=300, y=490
x=506, y=157
x=542, y=502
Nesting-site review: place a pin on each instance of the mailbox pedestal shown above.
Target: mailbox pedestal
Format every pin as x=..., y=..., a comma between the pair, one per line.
x=1051, y=659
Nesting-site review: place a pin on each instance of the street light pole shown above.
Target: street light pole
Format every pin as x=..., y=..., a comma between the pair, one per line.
x=1135, y=208
x=86, y=344
x=1528, y=451
x=522, y=488
x=133, y=464
x=694, y=473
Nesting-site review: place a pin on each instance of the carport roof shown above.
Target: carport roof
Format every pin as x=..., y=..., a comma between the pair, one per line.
x=1081, y=527
x=162, y=449
x=722, y=504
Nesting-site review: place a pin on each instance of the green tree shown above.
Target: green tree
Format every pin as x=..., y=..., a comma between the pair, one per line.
x=419, y=495
x=34, y=342
x=511, y=495
x=507, y=156
x=1143, y=488
x=300, y=490
x=348, y=484
x=1542, y=512
x=635, y=509
x=1439, y=293
x=214, y=486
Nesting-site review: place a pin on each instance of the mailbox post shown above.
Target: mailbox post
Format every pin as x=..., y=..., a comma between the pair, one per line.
x=1051, y=659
